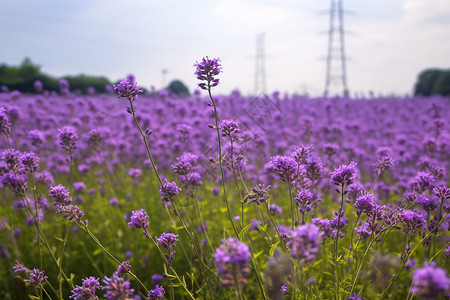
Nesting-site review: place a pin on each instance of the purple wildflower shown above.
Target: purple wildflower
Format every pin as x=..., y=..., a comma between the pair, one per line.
x=422, y=182
x=284, y=288
x=5, y=125
x=355, y=297
x=157, y=293
x=429, y=282
x=19, y=268
x=117, y=288
x=427, y=203
x=70, y=212
x=306, y=242
x=232, y=260
x=139, y=219
x=127, y=89
x=411, y=262
x=411, y=221
x=442, y=192
x=134, y=173
x=275, y=209
x=302, y=154
x=36, y=137
x=206, y=70
x=284, y=166
x=363, y=231
x=37, y=277
x=304, y=199
x=67, y=138
x=168, y=191
x=79, y=186
x=157, y=278
x=184, y=163
x=194, y=179
x=167, y=240
x=344, y=175
x=87, y=289
x=259, y=195
x=30, y=162
x=60, y=195
x=230, y=128
x=365, y=203
x=123, y=268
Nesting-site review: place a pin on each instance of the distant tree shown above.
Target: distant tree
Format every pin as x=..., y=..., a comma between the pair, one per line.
x=178, y=88
x=22, y=78
x=433, y=81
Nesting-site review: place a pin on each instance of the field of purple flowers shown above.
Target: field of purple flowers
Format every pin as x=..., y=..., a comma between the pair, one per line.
x=150, y=196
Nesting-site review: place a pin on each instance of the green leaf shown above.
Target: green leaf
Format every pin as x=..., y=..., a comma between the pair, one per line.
x=272, y=249
x=263, y=228
x=258, y=254
x=244, y=230
x=97, y=252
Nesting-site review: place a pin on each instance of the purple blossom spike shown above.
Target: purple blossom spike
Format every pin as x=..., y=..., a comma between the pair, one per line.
x=123, y=268
x=275, y=209
x=206, y=70
x=302, y=154
x=30, y=162
x=5, y=125
x=36, y=137
x=344, y=175
x=139, y=219
x=157, y=293
x=430, y=281
x=232, y=260
x=365, y=203
x=259, y=195
x=67, y=138
x=427, y=203
x=167, y=240
x=304, y=199
x=168, y=191
x=37, y=277
x=60, y=195
x=87, y=289
x=284, y=166
x=117, y=288
x=70, y=212
x=230, y=128
x=306, y=242
x=127, y=89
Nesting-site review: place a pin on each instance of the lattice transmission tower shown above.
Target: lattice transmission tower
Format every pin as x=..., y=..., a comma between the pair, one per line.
x=260, y=70
x=336, y=72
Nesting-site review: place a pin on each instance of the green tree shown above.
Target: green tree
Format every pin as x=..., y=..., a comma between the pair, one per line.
x=433, y=81
x=178, y=88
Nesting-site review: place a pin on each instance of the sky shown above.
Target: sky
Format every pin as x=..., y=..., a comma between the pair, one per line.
x=388, y=42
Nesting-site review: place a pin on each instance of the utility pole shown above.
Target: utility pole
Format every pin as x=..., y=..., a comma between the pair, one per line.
x=260, y=70
x=336, y=71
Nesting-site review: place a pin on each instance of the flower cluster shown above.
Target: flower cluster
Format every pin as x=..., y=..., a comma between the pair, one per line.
x=206, y=70
x=168, y=241
x=86, y=290
x=344, y=175
x=230, y=129
x=232, y=260
x=67, y=138
x=157, y=293
x=304, y=198
x=139, y=219
x=117, y=288
x=169, y=190
x=127, y=89
x=429, y=282
x=306, y=242
x=37, y=277
x=284, y=166
x=259, y=195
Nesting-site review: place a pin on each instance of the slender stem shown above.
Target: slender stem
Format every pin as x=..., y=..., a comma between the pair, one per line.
x=292, y=205
x=221, y=164
x=233, y=170
x=439, y=252
x=336, y=240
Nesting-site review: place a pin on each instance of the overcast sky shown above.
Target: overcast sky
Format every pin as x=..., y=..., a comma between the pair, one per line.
x=389, y=41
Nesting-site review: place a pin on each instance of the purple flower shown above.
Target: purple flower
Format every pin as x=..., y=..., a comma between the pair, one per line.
x=232, y=260
x=306, y=242
x=259, y=195
x=79, y=186
x=45, y=177
x=117, y=288
x=18, y=184
x=127, y=89
x=442, y=192
x=355, y=297
x=275, y=209
x=70, y=212
x=324, y=225
x=230, y=128
x=411, y=221
x=36, y=137
x=302, y=154
x=157, y=293
x=344, y=175
x=194, y=179
x=19, y=268
x=87, y=289
x=363, y=231
x=168, y=191
x=383, y=164
x=60, y=195
x=123, y=268
x=67, y=138
x=427, y=203
x=429, y=282
x=184, y=163
x=30, y=162
x=343, y=221
x=157, y=278
x=139, y=219
x=284, y=166
x=411, y=262
x=304, y=199
x=36, y=277
x=365, y=203
x=5, y=125
x=167, y=240
x=284, y=288
x=422, y=182
x=206, y=70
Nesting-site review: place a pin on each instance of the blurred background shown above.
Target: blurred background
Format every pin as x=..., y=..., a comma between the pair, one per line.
x=264, y=45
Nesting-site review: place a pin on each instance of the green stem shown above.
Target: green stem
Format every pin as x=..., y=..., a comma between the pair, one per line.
x=292, y=205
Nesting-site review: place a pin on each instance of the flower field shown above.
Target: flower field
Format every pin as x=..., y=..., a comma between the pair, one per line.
x=133, y=195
